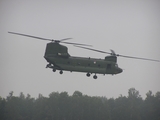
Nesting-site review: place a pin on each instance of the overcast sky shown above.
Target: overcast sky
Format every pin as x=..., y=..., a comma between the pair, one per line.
x=128, y=27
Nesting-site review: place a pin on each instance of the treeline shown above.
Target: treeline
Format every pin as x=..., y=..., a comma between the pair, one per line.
x=61, y=106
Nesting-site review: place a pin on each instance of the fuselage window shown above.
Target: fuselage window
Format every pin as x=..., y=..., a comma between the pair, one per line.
x=78, y=63
x=108, y=66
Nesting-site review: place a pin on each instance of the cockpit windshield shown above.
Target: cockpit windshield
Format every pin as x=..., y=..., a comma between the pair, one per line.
x=116, y=65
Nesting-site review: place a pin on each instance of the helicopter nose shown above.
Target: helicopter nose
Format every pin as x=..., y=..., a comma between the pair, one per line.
x=119, y=70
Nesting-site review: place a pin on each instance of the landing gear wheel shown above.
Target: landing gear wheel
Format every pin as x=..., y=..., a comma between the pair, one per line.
x=61, y=72
x=95, y=76
x=54, y=70
x=88, y=74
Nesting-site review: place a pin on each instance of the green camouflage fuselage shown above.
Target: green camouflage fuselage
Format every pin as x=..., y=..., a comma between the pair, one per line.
x=58, y=55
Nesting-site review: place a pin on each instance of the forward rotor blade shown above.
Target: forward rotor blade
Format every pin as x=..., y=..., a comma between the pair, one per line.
x=76, y=44
x=113, y=53
x=94, y=50
x=137, y=58
x=31, y=36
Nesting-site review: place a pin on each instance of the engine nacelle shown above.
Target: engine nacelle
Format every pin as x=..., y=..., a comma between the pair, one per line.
x=111, y=58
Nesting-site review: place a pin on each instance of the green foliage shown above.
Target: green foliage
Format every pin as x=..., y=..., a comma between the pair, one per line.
x=61, y=106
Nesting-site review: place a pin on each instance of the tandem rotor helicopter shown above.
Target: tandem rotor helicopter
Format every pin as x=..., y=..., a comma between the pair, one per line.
x=58, y=58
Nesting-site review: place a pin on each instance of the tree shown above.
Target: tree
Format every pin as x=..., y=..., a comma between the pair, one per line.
x=61, y=106
x=77, y=94
x=2, y=108
x=157, y=106
x=134, y=104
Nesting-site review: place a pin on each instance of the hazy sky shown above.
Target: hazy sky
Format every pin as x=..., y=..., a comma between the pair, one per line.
x=128, y=27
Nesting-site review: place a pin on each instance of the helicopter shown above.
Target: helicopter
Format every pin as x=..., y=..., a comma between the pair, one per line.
x=58, y=58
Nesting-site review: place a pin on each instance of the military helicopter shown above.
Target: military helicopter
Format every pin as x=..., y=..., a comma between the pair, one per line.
x=58, y=58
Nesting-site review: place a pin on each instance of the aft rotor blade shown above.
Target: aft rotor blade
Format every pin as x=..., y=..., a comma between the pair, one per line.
x=65, y=39
x=58, y=41
x=76, y=44
x=31, y=36
x=137, y=58
x=94, y=50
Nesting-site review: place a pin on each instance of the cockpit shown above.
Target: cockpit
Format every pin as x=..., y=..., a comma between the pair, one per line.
x=118, y=70
x=114, y=68
x=116, y=65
